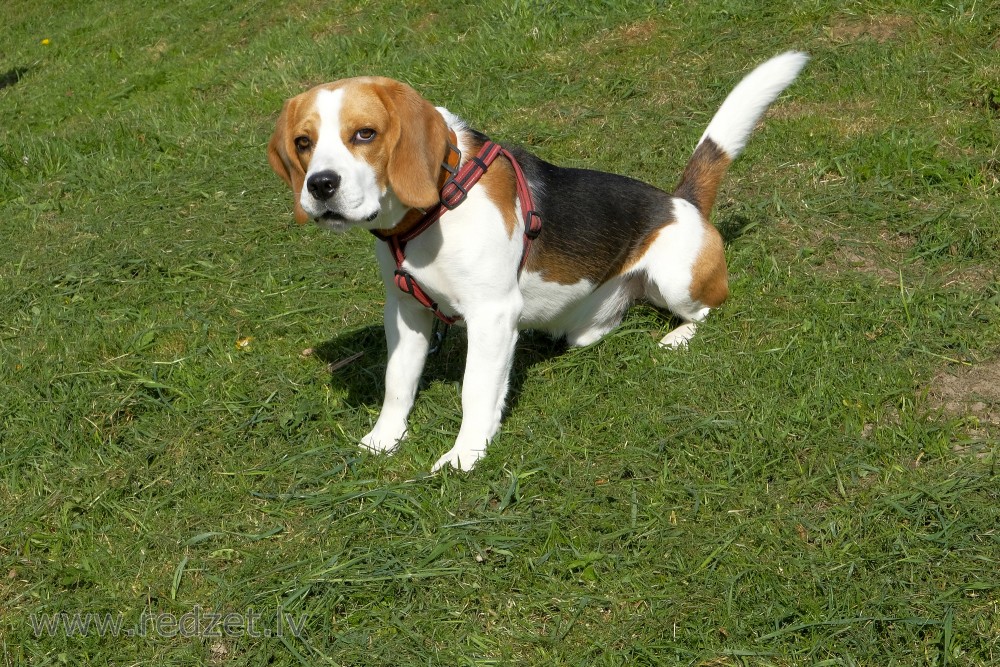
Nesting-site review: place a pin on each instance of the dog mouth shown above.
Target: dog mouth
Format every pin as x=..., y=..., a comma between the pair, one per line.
x=340, y=218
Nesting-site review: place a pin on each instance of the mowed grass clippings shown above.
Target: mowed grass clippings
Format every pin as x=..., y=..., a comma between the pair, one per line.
x=813, y=482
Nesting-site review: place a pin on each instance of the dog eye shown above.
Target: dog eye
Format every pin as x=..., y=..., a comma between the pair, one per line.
x=302, y=144
x=364, y=135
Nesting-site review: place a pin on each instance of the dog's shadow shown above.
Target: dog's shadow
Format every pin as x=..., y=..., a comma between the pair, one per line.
x=356, y=361
x=734, y=226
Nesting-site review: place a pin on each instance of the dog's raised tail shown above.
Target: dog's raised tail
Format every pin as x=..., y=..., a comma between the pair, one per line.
x=731, y=126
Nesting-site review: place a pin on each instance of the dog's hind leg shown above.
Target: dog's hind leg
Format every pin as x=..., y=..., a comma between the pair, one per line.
x=601, y=311
x=685, y=271
x=679, y=337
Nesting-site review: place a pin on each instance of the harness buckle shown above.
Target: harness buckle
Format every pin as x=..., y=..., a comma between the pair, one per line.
x=404, y=281
x=532, y=224
x=408, y=285
x=441, y=329
x=453, y=194
x=452, y=148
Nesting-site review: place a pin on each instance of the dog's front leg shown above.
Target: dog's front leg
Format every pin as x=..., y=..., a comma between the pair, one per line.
x=492, y=336
x=408, y=328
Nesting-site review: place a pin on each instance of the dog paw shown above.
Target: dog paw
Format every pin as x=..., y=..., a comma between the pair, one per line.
x=382, y=443
x=679, y=337
x=460, y=459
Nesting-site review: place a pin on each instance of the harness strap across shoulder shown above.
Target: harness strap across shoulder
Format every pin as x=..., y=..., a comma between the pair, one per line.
x=454, y=191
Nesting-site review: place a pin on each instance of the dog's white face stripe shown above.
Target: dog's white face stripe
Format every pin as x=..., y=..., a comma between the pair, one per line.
x=359, y=194
x=359, y=152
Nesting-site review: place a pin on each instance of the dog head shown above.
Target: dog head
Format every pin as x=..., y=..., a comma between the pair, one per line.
x=359, y=152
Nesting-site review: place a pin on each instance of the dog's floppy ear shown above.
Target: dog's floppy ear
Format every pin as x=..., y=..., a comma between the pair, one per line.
x=421, y=141
x=283, y=158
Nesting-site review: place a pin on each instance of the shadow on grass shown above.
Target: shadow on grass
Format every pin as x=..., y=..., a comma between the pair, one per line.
x=12, y=76
x=357, y=360
x=733, y=226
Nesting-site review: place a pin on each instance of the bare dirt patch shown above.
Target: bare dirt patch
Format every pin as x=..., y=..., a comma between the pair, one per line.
x=850, y=118
x=885, y=258
x=973, y=391
x=641, y=31
x=882, y=28
x=860, y=259
x=890, y=258
x=629, y=34
x=973, y=277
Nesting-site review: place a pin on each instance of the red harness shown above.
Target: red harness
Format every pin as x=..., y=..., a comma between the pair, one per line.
x=453, y=193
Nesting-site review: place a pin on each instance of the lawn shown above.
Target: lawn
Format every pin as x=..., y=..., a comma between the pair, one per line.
x=813, y=482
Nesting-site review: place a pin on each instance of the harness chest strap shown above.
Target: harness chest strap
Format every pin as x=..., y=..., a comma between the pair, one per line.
x=454, y=192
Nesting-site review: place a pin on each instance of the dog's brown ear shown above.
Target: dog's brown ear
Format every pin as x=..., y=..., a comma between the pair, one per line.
x=283, y=158
x=421, y=141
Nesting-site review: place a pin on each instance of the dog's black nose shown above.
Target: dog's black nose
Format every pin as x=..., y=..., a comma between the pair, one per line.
x=323, y=184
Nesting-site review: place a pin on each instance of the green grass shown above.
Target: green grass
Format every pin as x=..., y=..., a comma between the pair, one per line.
x=792, y=490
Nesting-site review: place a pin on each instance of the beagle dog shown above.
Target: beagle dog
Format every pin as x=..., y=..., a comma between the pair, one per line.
x=371, y=153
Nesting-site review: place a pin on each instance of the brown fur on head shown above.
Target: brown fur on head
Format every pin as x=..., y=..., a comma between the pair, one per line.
x=411, y=139
x=283, y=157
